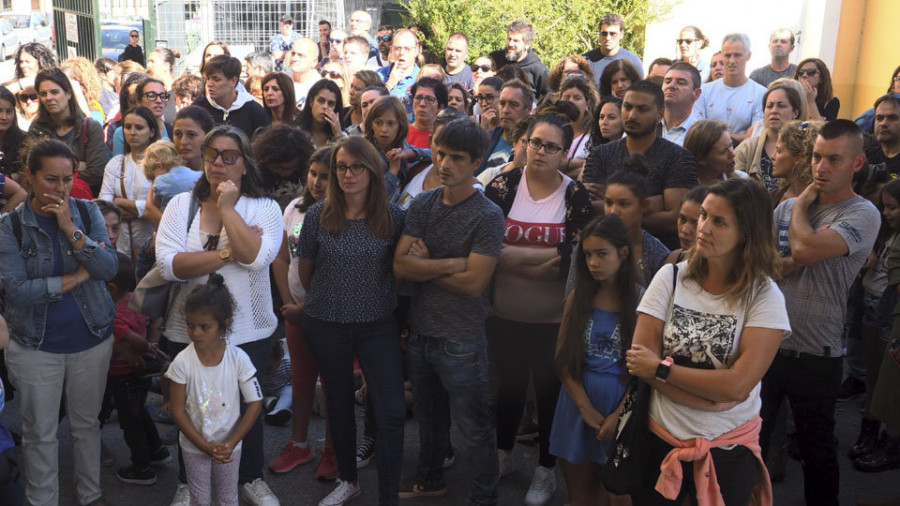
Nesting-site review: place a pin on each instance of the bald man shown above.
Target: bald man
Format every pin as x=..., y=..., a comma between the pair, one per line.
x=303, y=62
x=401, y=74
x=360, y=25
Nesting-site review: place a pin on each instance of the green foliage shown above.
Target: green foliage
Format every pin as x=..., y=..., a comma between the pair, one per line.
x=562, y=27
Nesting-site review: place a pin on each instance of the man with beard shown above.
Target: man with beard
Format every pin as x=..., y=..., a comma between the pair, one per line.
x=612, y=31
x=455, y=55
x=673, y=171
x=519, y=39
x=384, y=36
x=884, y=159
x=781, y=43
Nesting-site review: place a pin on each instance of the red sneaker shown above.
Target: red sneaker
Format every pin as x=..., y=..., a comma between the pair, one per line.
x=290, y=457
x=328, y=468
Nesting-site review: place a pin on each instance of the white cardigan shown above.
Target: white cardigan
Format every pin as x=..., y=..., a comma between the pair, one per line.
x=249, y=284
x=137, y=186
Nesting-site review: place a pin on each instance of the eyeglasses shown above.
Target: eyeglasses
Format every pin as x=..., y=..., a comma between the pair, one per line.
x=229, y=156
x=685, y=41
x=485, y=99
x=807, y=72
x=336, y=41
x=550, y=148
x=27, y=97
x=429, y=100
x=609, y=34
x=355, y=169
x=134, y=35
x=896, y=79
x=334, y=74
x=152, y=96
x=384, y=38
x=483, y=68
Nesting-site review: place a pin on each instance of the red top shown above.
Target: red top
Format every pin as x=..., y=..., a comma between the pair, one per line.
x=124, y=322
x=419, y=138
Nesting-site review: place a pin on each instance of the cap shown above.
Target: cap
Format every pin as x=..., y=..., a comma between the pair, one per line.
x=286, y=18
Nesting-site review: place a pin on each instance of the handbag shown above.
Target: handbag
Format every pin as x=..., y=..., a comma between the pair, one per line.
x=628, y=466
x=153, y=293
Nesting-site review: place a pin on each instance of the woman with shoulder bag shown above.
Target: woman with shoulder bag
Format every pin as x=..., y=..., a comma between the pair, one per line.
x=703, y=343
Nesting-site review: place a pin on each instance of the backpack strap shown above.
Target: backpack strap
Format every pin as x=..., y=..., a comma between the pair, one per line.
x=84, y=139
x=16, y=223
x=195, y=205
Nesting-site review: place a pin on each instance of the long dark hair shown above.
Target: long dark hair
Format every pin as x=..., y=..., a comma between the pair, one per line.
x=289, y=113
x=570, y=356
x=306, y=117
x=610, y=71
x=57, y=76
x=322, y=156
x=596, y=135
x=152, y=124
x=45, y=58
x=13, y=139
x=379, y=220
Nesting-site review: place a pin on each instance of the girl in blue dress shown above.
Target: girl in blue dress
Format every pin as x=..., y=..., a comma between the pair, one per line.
x=596, y=330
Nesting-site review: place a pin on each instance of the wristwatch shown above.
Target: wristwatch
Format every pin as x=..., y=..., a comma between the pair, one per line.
x=225, y=255
x=664, y=368
x=77, y=235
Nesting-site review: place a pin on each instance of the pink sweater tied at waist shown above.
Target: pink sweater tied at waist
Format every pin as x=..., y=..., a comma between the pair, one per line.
x=696, y=450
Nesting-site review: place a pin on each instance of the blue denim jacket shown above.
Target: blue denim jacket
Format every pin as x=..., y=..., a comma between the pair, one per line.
x=27, y=274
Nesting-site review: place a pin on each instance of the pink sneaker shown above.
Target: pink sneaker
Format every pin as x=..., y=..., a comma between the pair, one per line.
x=328, y=468
x=290, y=457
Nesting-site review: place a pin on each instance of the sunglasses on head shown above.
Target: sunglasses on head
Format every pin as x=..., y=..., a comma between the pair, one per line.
x=26, y=97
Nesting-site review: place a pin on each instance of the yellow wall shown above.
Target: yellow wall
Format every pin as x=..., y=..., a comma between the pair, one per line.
x=866, y=54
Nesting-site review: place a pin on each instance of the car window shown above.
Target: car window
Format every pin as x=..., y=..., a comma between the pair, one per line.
x=115, y=38
x=17, y=20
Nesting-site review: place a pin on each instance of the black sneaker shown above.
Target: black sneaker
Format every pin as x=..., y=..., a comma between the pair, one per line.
x=136, y=476
x=160, y=457
x=851, y=388
x=412, y=487
x=279, y=417
x=365, y=451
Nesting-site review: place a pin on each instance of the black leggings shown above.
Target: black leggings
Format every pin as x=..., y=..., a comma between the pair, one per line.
x=736, y=470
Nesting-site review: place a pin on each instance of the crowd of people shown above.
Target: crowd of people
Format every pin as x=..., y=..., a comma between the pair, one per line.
x=516, y=248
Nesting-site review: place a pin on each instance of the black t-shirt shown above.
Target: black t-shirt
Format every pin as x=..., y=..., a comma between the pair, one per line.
x=671, y=166
x=882, y=168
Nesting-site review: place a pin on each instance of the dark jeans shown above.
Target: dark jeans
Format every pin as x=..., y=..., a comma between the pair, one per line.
x=253, y=450
x=447, y=373
x=518, y=348
x=811, y=385
x=377, y=346
x=253, y=458
x=736, y=474
x=129, y=393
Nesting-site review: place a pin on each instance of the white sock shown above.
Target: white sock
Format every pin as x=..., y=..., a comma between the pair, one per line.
x=301, y=444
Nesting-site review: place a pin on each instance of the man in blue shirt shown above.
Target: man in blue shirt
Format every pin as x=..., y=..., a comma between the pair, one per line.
x=401, y=74
x=281, y=42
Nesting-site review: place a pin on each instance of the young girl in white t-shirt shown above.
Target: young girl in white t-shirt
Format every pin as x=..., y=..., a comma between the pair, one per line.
x=208, y=379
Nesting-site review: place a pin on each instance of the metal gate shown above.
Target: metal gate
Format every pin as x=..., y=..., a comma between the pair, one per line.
x=77, y=27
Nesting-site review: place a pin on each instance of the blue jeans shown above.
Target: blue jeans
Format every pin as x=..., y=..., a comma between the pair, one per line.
x=377, y=346
x=447, y=373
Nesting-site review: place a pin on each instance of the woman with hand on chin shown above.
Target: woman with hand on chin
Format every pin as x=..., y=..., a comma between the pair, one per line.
x=706, y=333
x=55, y=259
x=225, y=225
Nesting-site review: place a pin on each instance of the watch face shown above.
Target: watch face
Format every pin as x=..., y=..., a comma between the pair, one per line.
x=77, y=235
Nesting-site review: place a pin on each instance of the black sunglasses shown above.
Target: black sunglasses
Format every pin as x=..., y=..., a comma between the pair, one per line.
x=483, y=68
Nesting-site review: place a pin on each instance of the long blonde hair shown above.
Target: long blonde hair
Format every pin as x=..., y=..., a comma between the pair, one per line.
x=379, y=219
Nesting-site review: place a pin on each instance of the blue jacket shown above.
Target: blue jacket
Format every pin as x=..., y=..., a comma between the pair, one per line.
x=866, y=120
x=27, y=274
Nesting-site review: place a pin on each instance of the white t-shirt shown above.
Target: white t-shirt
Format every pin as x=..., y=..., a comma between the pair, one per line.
x=213, y=394
x=293, y=222
x=416, y=186
x=704, y=332
x=740, y=107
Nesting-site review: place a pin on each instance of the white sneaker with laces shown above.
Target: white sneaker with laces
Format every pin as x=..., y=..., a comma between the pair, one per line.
x=543, y=485
x=344, y=493
x=182, y=496
x=258, y=493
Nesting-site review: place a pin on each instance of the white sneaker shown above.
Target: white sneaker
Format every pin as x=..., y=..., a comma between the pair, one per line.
x=182, y=496
x=258, y=493
x=505, y=461
x=344, y=493
x=543, y=485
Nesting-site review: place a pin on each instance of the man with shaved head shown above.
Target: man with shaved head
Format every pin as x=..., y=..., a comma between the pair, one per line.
x=824, y=237
x=303, y=61
x=781, y=44
x=360, y=24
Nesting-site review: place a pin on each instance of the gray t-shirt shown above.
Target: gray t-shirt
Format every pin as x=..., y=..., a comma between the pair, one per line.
x=765, y=75
x=816, y=295
x=464, y=77
x=475, y=225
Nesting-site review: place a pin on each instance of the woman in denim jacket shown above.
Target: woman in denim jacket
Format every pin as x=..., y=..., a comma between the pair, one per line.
x=55, y=259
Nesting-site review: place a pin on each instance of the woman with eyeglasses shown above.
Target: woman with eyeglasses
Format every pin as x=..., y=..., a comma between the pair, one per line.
x=488, y=100
x=690, y=42
x=228, y=226
x=545, y=211
x=124, y=182
x=278, y=98
x=336, y=72
x=60, y=118
x=150, y=93
x=346, y=256
x=813, y=74
x=321, y=118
